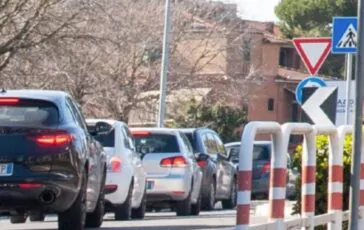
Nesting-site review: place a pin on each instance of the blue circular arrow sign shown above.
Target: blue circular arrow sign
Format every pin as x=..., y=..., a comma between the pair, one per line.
x=308, y=82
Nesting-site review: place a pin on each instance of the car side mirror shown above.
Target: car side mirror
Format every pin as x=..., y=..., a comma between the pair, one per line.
x=222, y=156
x=102, y=128
x=201, y=156
x=141, y=155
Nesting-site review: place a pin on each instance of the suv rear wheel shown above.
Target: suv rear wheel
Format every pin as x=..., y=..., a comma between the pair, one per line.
x=208, y=202
x=231, y=202
x=75, y=217
x=196, y=208
x=124, y=211
x=139, y=212
x=36, y=216
x=183, y=208
x=95, y=219
x=18, y=219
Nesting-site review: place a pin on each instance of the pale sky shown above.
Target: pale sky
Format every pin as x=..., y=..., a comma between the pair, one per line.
x=260, y=10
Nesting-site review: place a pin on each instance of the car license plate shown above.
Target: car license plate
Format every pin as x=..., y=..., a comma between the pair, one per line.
x=150, y=184
x=6, y=169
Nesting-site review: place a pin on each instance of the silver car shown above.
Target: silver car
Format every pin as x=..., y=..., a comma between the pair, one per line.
x=173, y=175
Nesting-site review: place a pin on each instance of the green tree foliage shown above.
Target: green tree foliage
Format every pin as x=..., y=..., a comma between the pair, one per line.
x=322, y=174
x=306, y=18
x=223, y=119
x=312, y=17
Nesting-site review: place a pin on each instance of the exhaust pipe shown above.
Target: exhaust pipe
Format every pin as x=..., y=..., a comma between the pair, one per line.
x=47, y=197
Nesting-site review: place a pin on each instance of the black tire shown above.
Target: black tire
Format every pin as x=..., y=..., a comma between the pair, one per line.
x=75, y=217
x=37, y=217
x=183, y=208
x=231, y=202
x=20, y=219
x=139, y=212
x=208, y=202
x=95, y=219
x=196, y=208
x=124, y=211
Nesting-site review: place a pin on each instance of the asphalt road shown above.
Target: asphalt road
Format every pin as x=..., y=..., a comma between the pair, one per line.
x=218, y=219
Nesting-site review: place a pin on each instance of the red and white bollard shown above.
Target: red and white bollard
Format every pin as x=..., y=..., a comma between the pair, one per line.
x=335, y=187
x=245, y=166
x=361, y=200
x=308, y=163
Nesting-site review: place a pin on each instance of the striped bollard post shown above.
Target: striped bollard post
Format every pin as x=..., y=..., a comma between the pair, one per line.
x=245, y=168
x=361, y=200
x=245, y=178
x=308, y=158
x=336, y=174
x=308, y=184
x=277, y=194
x=335, y=169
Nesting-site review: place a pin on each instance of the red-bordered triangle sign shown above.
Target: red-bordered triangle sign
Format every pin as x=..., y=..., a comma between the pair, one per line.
x=313, y=52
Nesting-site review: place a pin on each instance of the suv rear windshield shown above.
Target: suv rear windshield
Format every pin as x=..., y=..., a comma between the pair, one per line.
x=27, y=112
x=260, y=152
x=192, y=141
x=106, y=140
x=156, y=143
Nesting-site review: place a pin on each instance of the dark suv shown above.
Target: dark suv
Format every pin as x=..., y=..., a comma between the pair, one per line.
x=262, y=151
x=49, y=163
x=219, y=174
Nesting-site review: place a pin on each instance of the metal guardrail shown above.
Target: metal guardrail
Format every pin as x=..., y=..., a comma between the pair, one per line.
x=280, y=135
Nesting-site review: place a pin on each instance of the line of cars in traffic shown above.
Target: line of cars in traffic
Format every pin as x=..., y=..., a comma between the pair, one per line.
x=54, y=161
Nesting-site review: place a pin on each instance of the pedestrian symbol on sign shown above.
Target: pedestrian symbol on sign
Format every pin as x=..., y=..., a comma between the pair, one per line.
x=349, y=38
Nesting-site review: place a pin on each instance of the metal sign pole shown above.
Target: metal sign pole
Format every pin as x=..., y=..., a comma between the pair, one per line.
x=349, y=68
x=358, y=119
x=164, y=68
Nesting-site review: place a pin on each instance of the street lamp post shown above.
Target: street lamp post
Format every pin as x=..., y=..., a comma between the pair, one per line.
x=358, y=120
x=164, y=68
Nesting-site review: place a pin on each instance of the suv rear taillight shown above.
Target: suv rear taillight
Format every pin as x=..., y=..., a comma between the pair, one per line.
x=266, y=168
x=30, y=186
x=114, y=165
x=140, y=133
x=173, y=162
x=202, y=163
x=9, y=101
x=56, y=139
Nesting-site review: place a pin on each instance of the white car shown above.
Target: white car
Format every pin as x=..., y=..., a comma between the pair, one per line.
x=125, y=187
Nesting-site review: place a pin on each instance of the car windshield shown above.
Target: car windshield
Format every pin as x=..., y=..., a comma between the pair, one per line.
x=29, y=112
x=260, y=152
x=156, y=143
x=105, y=139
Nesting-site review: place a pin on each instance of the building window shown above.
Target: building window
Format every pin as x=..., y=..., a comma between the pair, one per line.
x=289, y=58
x=246, y=49
x=270, y=104
x=294, y=112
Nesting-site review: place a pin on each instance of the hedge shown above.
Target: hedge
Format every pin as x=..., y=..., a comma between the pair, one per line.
x=322, y=174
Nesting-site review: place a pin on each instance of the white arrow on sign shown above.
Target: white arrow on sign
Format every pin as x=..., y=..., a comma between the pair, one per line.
x=313, y=103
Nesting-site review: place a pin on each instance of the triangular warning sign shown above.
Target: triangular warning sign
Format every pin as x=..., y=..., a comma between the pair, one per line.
x=349, y=38
x=313, y=52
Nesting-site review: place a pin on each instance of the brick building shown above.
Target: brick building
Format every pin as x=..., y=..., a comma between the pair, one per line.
x=252, y=52
x=281, y=69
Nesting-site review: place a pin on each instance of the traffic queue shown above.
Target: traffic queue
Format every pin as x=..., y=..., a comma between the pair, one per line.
x=54, y=161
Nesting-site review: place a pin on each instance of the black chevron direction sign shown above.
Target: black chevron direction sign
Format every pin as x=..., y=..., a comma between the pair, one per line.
x=319, y=105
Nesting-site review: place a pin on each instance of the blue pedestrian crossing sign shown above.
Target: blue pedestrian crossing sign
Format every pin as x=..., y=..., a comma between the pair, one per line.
x=344, y=35
x=308, y=82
